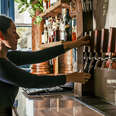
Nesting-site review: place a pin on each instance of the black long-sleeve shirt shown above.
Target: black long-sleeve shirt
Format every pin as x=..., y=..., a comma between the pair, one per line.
x=11, y=77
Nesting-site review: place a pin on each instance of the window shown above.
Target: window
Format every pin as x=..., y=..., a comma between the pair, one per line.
x=24, y=25
x=22, y=21
x=0, y=6
x=7, y=8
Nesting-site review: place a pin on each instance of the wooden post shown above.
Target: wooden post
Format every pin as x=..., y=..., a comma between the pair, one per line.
x=79, y=17
x=42, y=68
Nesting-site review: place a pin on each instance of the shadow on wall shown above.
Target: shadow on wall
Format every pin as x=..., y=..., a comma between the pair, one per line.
x=100, y=9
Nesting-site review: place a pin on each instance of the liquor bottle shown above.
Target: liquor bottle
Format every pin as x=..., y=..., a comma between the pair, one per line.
x=54, y=29
x=52, y=2
x=74, y=37
x=62, y=25
x=44, y=5
x=45, y=34
x=51, y=65
x=47, y=5
x=62, y=30
x=49, y=1
x=43, y=39
x=49, y=26
x=58, y=28
x=74, y=34
x=68, y=26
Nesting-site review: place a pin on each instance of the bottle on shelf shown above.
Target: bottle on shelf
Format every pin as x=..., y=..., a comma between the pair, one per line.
x=62, y=25
x=62, y=30
x=49, y=3
x=45, y=39
x=74, y=30
x=68, y=26
x=44, y=5
x=58, y=27
x=51, y=66
x=52, y=2
x=50, y=33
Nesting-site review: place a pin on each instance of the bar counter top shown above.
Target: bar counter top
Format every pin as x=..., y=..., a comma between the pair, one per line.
x=61, y=105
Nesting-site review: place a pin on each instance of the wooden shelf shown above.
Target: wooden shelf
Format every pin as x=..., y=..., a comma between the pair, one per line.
x=43, y=46
x=54, y=10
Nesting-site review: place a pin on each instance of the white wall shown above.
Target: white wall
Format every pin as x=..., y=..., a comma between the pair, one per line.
x=22, y=17
x=104, y=13
x=111, y=16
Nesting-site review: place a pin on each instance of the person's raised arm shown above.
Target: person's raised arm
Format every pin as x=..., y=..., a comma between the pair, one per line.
x=29, y=57
x=21, y=78
x=77, y=43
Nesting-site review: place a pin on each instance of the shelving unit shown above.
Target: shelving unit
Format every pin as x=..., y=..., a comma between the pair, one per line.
x=51, y=44
x=55, y=9
x=37, y=44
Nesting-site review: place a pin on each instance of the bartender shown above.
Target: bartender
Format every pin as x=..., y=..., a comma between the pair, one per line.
x=11, y=77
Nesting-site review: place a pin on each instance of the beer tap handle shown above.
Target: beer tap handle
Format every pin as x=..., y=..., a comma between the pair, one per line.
x=91, y=34
x=104, y=40
x=112, y=41
x=97, y=41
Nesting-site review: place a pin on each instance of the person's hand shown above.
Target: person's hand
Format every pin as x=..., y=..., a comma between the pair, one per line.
x=80, y=77
x=85, y=40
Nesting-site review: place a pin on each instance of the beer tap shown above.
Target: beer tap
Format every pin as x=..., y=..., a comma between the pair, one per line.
x=93, y=50
x=89, y=52
x=88, y=88
x=85, y=52
x=86, y=59
x=111, y=63
x=103, y=47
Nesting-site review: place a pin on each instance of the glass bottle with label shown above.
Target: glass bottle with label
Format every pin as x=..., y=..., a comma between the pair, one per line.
x=68, y=26
x=43, y=39
x=58, y=28
x=45, y=34
x=74, y=34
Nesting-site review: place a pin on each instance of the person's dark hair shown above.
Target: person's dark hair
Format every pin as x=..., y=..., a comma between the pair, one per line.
x=5, y=23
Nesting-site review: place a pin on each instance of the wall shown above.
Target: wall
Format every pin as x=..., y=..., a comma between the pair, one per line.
x=23, y=18
x=104, y=13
